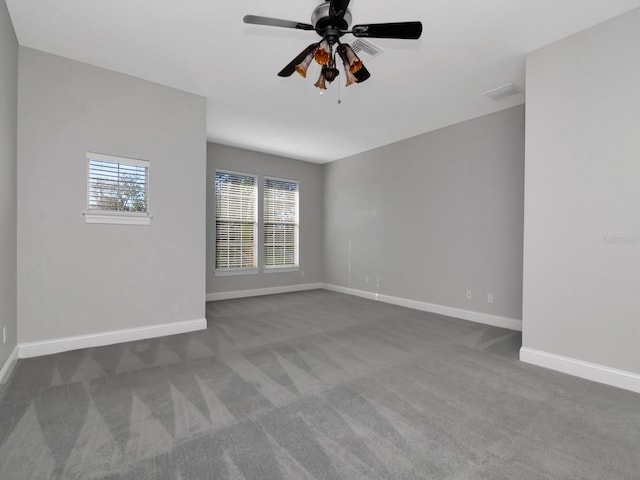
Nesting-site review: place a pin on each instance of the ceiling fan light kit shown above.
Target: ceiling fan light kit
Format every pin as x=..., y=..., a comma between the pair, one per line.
x=323, y=53
x=302, y=67
x=331, y=20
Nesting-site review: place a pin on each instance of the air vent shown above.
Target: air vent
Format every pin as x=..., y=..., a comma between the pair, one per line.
x=365, y=49
x=504, y=91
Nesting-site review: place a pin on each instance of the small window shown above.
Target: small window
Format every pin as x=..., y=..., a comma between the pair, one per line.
x=236, y=223
x=118, y=190
x=280, y=223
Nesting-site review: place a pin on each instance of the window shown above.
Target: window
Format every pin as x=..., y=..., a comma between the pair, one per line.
x=280, y=223
x=236, y=222
x=117, y=190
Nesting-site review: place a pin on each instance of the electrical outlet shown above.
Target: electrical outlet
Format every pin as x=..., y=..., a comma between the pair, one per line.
x=302, y=273
x=366, y=279
x=4, y=335
x=468, y=294
x=490, y=298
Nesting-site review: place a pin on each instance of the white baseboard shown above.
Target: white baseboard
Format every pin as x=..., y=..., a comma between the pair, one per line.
x=478, y=317
x=7, y=368
x=57, y=345
x=582, y=369
x=212, y=297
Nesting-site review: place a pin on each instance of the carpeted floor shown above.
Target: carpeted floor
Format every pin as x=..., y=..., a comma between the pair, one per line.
x=313, y=385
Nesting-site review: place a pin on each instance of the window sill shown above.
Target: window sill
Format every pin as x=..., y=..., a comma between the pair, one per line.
x=285, y=269
x=118, y=218
x=236, y=271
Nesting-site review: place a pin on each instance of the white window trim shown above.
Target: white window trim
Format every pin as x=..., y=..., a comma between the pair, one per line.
x=228, y=272
x=296, y=266
x=117, y=218
x=282, y=269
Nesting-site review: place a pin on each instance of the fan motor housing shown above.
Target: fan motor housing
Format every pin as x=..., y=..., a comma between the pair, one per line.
x=321, y=19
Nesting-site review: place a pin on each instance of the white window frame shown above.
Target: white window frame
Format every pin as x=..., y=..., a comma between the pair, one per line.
x=282, y=268
x=117, y=217
x=223, y=272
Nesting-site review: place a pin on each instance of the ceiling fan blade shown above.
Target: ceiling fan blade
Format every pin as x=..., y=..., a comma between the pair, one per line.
x=291, y=67
x=337, y=8
x=402, y=30
x=276, y=22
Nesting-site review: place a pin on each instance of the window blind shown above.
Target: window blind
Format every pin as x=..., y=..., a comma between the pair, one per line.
x=236, y=220
x=117, y=184
x=280, y=222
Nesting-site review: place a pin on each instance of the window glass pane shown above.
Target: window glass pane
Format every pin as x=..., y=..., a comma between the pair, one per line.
x=236, y=222
x=117, y=186
x=280, y=222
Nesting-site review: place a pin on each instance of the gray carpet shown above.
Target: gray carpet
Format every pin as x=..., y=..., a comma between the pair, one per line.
x=313, y=385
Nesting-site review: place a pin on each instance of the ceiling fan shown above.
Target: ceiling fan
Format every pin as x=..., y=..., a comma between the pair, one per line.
x=331, y=20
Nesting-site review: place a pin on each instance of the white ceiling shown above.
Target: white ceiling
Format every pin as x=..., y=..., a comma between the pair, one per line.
x=203, y=47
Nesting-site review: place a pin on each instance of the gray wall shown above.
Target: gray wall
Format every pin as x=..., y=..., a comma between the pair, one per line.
x=429, y=217
x=310, y=177
x=76, y=278
x=582, y=215
x=8, y=198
